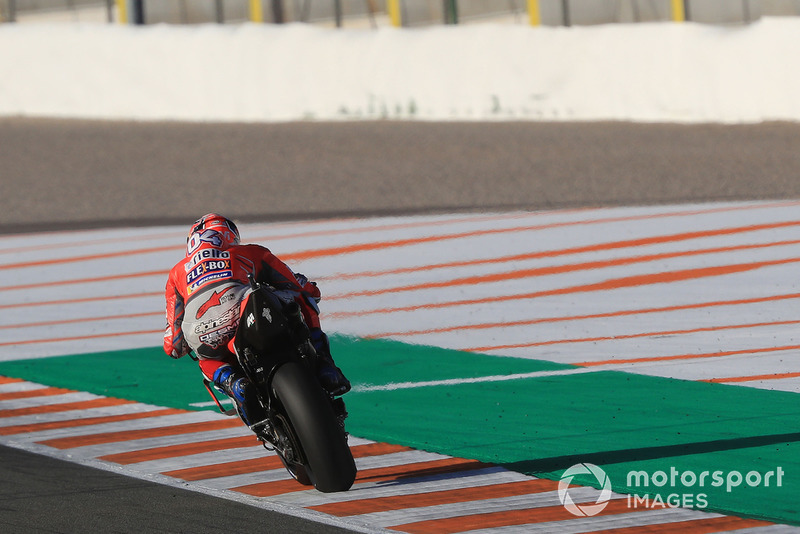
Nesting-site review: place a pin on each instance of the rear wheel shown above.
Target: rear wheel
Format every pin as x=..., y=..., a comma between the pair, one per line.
x=328, y=461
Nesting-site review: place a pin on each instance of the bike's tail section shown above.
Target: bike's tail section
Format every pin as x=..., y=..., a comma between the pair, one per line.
x=263, y=326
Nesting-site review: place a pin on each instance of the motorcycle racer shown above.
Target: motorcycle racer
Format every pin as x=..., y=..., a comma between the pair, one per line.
x=204, y=293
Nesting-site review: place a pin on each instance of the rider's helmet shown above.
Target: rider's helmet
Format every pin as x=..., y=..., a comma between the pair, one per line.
x=223, y=225
x=203, y=239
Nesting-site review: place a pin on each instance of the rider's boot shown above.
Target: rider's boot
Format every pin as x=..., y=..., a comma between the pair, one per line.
x=330, y=376
x=241, y=390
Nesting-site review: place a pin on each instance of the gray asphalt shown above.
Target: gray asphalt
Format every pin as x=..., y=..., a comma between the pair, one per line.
x=72, y=174
x=44, y=495
x=65, y=174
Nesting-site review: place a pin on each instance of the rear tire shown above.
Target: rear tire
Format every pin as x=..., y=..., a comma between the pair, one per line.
x=329, y=462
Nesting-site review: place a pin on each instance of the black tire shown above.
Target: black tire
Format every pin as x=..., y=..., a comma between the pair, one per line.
x=330, y=464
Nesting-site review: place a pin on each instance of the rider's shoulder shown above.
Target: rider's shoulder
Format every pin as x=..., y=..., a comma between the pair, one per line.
x=249, y=249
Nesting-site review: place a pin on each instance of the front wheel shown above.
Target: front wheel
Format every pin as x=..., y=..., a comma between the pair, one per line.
x=329, y=462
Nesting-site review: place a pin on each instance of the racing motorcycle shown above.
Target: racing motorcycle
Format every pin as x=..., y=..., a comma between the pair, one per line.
x=304, y=424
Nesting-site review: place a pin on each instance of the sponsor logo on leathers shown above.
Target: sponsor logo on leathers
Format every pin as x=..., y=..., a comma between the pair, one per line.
x=216, y=299
x=217, y=331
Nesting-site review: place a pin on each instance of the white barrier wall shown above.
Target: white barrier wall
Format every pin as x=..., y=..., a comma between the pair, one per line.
x=662, y=72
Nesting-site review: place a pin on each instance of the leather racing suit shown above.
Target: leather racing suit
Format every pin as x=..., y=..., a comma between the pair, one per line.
x=204, y=293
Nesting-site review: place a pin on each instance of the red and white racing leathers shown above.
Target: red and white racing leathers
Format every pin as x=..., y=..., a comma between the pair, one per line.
x=204, y=292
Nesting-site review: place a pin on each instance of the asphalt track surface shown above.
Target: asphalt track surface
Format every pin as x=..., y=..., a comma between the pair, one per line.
x=72, y=174
x=66, y=174
x=42, y=494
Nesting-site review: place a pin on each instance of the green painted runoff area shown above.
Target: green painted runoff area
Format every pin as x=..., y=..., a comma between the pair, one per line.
x=720, y=448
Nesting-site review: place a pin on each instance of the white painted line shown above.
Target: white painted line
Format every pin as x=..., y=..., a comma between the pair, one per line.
x=474, y=380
